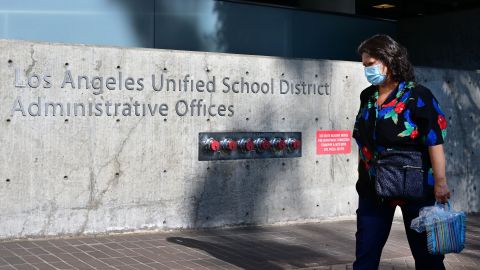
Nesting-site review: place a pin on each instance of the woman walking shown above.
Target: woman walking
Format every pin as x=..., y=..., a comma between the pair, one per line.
x=395, y=113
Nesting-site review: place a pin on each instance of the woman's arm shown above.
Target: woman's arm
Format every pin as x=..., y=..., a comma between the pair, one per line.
x=437, y=156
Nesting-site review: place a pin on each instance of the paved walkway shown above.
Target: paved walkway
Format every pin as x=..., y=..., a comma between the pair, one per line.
x=327, y=245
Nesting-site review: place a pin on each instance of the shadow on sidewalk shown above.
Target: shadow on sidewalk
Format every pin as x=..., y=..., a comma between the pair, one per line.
x=258, y=253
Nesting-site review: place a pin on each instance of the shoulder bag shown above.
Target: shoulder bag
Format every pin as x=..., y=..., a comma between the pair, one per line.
x=401, y=174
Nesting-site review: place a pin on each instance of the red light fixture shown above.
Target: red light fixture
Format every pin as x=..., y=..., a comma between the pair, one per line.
x=246, y=144
x=293, y=144
x=262, y=144
x=278, y=144
x=212, y=145
x=228, y=145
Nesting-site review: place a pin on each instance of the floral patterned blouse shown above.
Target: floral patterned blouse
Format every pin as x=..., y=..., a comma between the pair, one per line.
x=409, y=118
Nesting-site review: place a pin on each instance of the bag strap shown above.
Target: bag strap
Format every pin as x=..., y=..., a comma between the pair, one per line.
x=446, y=206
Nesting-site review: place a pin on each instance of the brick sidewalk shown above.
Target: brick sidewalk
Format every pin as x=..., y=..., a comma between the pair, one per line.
x=327, y=245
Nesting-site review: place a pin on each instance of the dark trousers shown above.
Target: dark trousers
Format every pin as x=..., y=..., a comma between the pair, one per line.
x=374, y=221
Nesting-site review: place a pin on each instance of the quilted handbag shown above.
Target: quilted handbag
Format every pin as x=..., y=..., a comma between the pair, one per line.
x=401, y=175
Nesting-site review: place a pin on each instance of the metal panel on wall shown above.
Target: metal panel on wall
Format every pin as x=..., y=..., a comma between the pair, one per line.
x=206, y=25
x=98, y=22
x=218, y=26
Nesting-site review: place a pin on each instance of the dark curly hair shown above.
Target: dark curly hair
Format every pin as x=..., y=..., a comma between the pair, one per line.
x=391, y=53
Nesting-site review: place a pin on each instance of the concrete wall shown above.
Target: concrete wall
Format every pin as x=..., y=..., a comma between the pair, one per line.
x=64, y=175
x=458, y=92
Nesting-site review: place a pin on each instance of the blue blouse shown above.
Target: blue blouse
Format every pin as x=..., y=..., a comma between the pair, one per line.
x=410, y=117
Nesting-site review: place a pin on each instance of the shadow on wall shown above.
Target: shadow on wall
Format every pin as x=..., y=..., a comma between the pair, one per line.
x=222, y=26
x=141, y=15
x=465, y=90
x=211, y=26
x=238, y=192
x=188, y=25
x=181, y=25
x=459, y=95
x=227, y=192
x=257, y=30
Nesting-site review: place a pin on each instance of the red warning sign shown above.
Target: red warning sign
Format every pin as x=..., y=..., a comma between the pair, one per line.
x=333, y=142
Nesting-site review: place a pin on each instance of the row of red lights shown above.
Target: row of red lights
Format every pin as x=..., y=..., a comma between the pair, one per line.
x=249, y=144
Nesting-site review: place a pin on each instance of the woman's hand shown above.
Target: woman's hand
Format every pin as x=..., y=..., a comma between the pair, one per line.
x=442, y=194
x=440, y=189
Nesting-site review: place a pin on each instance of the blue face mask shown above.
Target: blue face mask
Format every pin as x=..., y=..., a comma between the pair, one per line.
x=374, y=75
